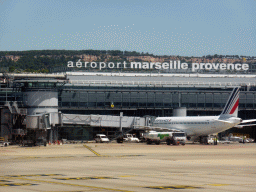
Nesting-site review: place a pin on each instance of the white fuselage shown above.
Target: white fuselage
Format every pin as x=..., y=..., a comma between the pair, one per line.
x=197, y=126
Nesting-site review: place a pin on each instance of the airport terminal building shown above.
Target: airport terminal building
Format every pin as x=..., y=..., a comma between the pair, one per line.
x=78, y=95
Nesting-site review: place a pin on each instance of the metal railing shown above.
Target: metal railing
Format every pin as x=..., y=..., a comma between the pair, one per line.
x=161, y=83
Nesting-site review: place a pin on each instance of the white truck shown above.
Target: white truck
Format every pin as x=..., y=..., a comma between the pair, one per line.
x=171, y=138
x=130, y=138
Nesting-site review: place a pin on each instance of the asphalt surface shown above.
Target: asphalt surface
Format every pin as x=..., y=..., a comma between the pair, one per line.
x=128, y=167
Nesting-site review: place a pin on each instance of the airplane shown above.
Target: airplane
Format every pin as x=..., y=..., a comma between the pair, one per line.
x=202, y=126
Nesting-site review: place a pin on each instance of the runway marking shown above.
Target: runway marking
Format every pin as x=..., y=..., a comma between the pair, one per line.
x=15, y=184
x=90, y=149
x=85, y=178
x=64, y=191
x=4, y=181
x=174, y=187
x=128, y=176
x=119, y=156
x=29, y=157
x=34, y=175
x=36, y=157
x=184, y=186
x=70, y=184
x=218, y=184
x=59, y=157
x=129, y=155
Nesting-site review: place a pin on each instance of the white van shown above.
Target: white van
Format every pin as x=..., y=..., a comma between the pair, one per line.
x=101, y=138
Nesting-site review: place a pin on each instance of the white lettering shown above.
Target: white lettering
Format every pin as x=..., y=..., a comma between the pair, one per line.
x=85, y=64
x=158, y=65
x=215, y=66
x=230, y=66
x=118, y=63
x=238, y=67
x=201, y=65
x=102, y=65
x=170, y=64
x=165, y=65
x=111, y=65
x=179, y=64
x=70, y=64
x=245, y=67
x=136, y=65
x=223, y=66
x=184, y=66
x=145, y=65
x=125, y=65
x=152, y=65
x=93, y=65
x=174, y=65
x=208, y=66
x=79, y=63
x=195, y=66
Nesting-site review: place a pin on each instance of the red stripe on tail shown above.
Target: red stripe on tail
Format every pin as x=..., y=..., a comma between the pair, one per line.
x=234, y=108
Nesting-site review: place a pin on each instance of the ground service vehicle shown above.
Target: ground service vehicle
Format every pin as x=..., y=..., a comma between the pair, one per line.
x=210, y=140
x=101, y=138
x=130, y=138
x=171, y=138
x=3, y=143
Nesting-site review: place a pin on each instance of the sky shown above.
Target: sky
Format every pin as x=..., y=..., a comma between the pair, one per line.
x=163, y=27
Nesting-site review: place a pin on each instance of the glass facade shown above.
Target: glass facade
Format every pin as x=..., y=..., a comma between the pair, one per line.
x=86, y=99
x=135, y=99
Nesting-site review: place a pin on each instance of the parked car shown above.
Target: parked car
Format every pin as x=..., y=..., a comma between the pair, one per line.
x=250, y=140
x=4, y=144
x=101, y=138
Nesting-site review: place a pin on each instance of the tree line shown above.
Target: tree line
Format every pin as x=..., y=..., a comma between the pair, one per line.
x=74, y=52
x=44, y=60
x=47, y=60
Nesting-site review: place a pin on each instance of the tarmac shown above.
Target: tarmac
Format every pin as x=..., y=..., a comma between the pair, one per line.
x=128, y=167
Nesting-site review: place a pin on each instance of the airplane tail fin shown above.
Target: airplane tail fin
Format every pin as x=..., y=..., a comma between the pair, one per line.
x=231, y=107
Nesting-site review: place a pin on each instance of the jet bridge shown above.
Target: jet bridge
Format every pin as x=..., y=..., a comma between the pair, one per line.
x=105, y=121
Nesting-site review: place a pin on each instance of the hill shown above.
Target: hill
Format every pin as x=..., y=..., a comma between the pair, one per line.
x=56, y=60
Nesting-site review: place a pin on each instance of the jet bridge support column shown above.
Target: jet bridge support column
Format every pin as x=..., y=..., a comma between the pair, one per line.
x=50, y=135
x=121, y=116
